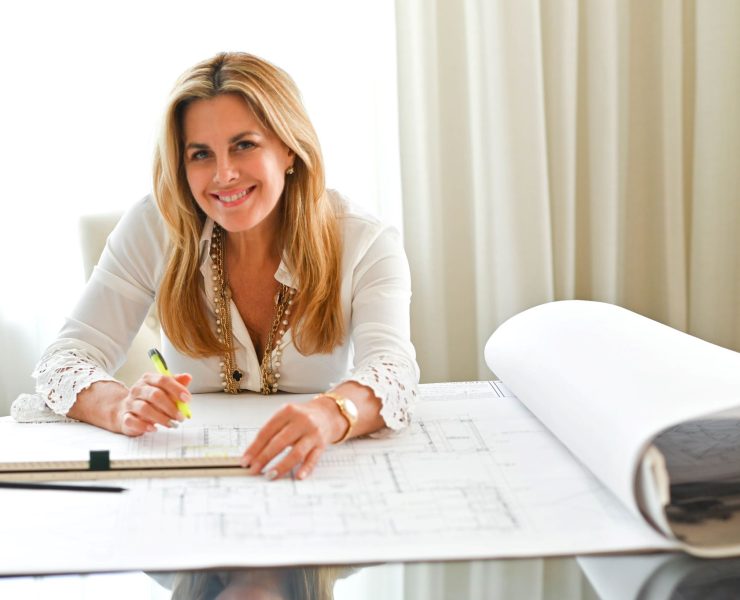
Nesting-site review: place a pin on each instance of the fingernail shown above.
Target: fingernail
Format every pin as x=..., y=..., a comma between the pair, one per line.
x=246, y=459
x=244, y=464
x=174, y=424
x=270, y=475
x=151, y=428
x=302, y=474
x=180, y=416
x=185, y=397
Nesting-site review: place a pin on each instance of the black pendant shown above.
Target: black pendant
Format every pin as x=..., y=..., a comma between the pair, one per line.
x=237, y=375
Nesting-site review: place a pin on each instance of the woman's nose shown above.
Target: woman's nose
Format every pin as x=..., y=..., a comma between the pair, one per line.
x=226, y=171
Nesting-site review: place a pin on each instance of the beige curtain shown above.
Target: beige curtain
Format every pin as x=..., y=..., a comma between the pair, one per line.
x=561, y=149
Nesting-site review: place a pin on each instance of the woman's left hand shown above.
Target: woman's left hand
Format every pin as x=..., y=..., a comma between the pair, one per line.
x=308, y=428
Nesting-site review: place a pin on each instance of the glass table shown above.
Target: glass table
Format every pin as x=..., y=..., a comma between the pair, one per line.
x=639, y=577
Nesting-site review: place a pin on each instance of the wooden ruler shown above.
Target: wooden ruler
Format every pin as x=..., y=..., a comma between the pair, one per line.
x=99, y=466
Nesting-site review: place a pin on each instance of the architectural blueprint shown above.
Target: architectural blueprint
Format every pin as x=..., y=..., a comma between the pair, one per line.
x=476, y=475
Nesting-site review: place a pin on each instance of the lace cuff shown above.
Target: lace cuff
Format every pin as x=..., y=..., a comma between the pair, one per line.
x=396, y=386
x=31, y=408
x=61, y=375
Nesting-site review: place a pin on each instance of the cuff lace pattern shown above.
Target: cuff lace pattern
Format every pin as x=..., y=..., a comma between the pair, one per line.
x=395, y=384
x=61, y=375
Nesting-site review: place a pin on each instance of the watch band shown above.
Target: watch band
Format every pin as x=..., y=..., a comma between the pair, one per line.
x=347, y=409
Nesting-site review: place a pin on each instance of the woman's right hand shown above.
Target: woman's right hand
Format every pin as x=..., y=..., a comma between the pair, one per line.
x=151, y=400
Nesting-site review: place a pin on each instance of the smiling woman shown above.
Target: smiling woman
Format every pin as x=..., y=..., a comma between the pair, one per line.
x=264, y=280
x=108, y=69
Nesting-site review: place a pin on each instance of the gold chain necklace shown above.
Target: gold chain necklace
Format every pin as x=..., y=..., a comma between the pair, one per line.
x=269, y=372
x=269, y=369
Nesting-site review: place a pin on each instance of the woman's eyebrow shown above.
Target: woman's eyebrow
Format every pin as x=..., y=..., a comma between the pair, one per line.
x=232, y=139
x=239, y=136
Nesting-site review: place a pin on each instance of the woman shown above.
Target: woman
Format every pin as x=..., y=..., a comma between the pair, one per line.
x=263, y=279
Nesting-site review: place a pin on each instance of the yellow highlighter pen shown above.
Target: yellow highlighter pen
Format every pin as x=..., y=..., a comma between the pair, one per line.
x=161, y=365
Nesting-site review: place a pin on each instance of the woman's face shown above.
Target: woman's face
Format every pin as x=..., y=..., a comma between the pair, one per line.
x=234, y=166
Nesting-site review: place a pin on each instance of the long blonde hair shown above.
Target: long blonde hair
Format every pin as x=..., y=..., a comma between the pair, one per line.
x=309, y=232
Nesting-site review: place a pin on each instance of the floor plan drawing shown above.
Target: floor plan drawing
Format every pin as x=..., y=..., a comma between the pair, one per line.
x=474, y=475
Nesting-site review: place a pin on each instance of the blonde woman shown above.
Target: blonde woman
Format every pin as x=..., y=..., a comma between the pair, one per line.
x=263, y=279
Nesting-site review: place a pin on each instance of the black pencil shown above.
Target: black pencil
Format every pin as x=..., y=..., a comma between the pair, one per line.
x=29, y=485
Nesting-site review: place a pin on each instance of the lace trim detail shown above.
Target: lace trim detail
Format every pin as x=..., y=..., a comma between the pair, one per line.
x=31, y=408
x=395, y=385
x=61, y=375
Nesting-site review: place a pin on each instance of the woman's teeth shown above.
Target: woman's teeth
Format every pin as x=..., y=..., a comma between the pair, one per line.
x=233, y=197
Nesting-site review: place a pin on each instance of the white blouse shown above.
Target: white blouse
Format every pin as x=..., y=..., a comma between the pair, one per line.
x=375, y=296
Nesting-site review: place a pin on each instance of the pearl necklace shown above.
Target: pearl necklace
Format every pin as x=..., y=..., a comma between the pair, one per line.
x=269, y=369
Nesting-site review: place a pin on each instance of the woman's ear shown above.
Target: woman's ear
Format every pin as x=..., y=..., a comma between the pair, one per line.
x=291, y=161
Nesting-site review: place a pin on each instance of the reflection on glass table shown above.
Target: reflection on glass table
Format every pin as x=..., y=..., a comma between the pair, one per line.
x=312, y=583
x=662, y=577
x=545, y=579
x=641, y=577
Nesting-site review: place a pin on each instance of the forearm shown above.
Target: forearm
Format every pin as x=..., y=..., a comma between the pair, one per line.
x=100, y=405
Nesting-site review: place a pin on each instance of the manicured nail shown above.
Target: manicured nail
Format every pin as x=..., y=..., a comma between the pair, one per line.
x=174, y=424
x=151, y=428
x=180, y=416
x=270, y=475
x=185, y=397
x=302, y=474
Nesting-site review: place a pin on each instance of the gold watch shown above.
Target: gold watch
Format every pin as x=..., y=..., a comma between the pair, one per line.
x=348, y=409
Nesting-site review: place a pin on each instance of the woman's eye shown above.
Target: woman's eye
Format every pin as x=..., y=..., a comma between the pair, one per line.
x=199, y=155
x=244, y=145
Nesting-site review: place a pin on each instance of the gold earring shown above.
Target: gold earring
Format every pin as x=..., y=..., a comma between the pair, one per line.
x=290, y=170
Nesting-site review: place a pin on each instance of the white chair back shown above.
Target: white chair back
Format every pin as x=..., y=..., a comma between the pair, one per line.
x=94, y=231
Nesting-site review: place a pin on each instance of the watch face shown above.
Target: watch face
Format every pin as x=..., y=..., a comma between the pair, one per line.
x=351, y=409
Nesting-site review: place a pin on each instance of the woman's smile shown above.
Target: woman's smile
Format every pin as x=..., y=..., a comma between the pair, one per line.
x=233, y=198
